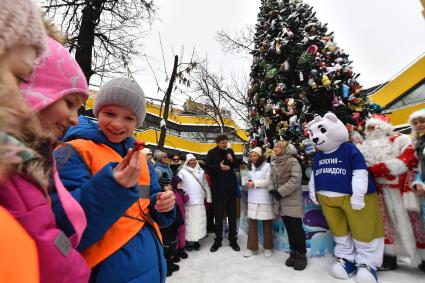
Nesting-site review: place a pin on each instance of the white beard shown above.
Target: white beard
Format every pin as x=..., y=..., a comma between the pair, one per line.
x=377, y=149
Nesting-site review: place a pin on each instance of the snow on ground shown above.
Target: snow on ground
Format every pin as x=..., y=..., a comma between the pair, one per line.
x=228, y=266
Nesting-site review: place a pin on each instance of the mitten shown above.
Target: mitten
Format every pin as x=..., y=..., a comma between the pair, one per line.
x=379, y=169
x=357, y=202
x=275, y=194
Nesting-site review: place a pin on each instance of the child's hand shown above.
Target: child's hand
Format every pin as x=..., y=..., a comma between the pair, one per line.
x=127, y=172
x=165, y=201
x=180, y=186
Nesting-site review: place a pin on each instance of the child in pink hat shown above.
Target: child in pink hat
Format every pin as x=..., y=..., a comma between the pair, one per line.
x=54, y=92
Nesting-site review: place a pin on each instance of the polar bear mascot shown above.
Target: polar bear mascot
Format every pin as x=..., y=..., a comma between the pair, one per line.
x=341, y=185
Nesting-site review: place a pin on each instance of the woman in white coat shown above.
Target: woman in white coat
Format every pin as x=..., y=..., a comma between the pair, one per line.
x=260, y=204
x=196, y=186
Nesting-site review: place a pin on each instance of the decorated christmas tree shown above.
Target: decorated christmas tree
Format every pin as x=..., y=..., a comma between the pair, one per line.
x=298, y=71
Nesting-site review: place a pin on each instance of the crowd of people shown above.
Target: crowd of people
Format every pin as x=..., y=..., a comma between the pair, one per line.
x=80, y=203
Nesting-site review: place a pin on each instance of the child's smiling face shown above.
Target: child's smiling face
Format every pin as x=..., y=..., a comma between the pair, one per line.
x=117, y=122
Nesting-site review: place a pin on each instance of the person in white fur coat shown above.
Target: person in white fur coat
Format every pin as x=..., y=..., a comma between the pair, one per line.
x=196, y=186
x=391, y=158
x=260, y=204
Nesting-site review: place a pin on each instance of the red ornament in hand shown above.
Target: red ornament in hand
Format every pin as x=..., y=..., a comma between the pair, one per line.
x=139, y=145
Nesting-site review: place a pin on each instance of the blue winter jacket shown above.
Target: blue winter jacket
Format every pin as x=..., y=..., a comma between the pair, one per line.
x=164, y=168
x=104, y=201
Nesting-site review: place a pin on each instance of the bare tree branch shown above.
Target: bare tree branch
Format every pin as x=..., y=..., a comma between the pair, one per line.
x=105, y=35
x=242, y=41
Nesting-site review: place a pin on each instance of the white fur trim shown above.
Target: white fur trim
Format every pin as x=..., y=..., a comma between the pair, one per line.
x=382, y=124
x=416, y=114
x=410, y=202
x=396, y=167
x=401, y=224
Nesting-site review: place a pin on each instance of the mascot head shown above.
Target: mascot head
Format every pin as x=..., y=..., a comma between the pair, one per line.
x=327, y=132
x=378, y=126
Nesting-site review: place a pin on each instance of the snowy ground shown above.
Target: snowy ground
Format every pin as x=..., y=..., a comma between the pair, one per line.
x=228, y=266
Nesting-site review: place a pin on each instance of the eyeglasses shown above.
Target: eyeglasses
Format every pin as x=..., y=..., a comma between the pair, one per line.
x=176, y=159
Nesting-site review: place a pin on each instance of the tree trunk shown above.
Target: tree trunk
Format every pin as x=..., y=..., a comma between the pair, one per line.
x=167, y=104
x=90, y=19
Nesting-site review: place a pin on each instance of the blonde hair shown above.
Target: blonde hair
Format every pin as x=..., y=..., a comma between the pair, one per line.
x=53, y=31
x=19, y=123
x=282, y=143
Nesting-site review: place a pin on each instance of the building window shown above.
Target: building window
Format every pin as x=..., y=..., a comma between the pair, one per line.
x=413, y=96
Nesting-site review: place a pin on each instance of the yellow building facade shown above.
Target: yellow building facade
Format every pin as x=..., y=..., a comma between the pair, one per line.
x=403, y=94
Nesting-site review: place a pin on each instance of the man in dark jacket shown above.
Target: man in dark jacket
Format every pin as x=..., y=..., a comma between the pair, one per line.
x=220, y=163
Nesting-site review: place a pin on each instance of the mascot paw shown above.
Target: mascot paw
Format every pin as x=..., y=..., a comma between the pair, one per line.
x=343, y=269
x=314, y=199
x=357, y=202
x=366, y=274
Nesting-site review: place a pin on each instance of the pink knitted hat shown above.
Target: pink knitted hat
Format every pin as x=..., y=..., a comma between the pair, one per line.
x=56, y=74
x=21, y=23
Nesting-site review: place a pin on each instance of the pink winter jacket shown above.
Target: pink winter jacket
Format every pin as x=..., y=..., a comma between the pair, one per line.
x=181, y=199
x=58, y=259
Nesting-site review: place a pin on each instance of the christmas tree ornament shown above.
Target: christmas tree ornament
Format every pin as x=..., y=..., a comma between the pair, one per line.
x=326, y=82
x=271, y=73
x=278, y=46
x=330, y=47
x=314, y=73
x=375, y=108
x=306, y=59
x=349, y=127
x=253, y=112
x=269, y=107
x=290, y=104
x=312, y=83
x=281, y=4
x=345, y=90
x=356, y=137
x=311, y=28
x=280, y=87
x=308, y=146
x=337, y=101
x=282, y=127
x=266, y=143
x=312, y=49
x=285, y=66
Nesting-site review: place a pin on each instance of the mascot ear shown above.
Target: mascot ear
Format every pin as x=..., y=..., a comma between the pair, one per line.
x=316, y=119
x=331, y=116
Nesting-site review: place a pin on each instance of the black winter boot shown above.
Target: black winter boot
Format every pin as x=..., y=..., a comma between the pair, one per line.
x=189, y=246
x=389, y=263
x=234, y=245
x=172, y=266
x=300, y=261
x=197, y=245
x=182, y=254
x=215, y=246
x=422, y=266
x=291, y=259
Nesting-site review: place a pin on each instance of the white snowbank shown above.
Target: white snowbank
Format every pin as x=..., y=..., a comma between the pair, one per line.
x=228, y=266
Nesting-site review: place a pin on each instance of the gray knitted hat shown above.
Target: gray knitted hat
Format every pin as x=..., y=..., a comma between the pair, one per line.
x=123, y=92
x=158, y=155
